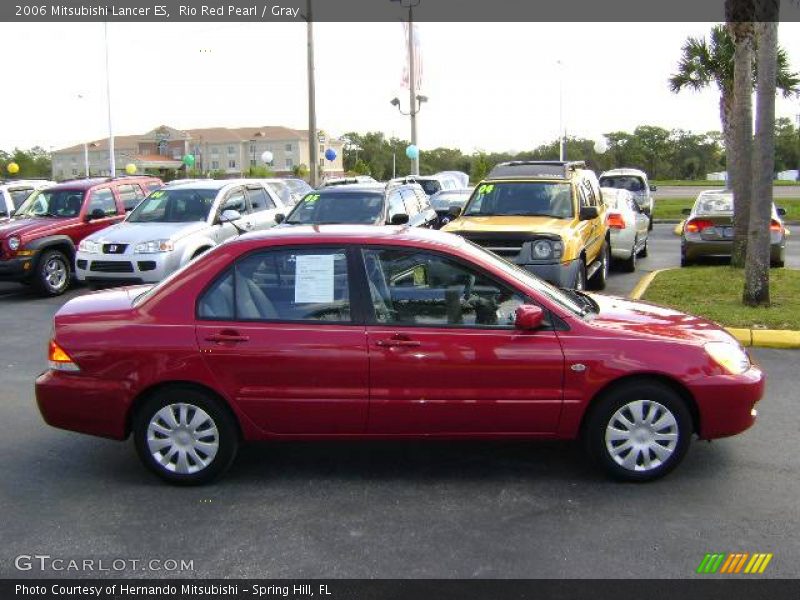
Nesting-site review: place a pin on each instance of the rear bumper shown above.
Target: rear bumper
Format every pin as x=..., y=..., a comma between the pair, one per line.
x=727, y=403
x=695, y=250
x=85, y=404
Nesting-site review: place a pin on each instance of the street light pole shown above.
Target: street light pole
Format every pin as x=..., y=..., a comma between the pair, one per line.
x=111, y=157
x=85, y=143
x=412, y=87
x=561, y=149
x=312, y=109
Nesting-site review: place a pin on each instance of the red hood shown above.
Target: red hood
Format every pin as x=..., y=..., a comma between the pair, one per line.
x=32, y=228
x=651, y=320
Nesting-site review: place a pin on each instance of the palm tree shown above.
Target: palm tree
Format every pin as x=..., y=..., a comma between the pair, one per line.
x=756, y=271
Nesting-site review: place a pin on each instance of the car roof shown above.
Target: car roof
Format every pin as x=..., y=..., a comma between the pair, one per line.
x=624, y=171
x=370, y=234
x=85, y=184
x=212, y=184
x=536, y=169
x=352, y=188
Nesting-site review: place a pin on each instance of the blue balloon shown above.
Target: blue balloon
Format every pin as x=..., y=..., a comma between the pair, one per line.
x=412, y=152
x=330, y=154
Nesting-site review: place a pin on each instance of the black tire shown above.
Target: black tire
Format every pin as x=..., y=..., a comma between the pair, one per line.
x=661, y=405
x=643, y=251
x=203, y=438
x=781, y=262
x=53, y=273
x=600, y=278
x=629, y=264
x=650, y=224
x=685, y=262
x=580, y=276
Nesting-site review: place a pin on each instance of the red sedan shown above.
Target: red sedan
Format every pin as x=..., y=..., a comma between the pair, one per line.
x=385, y=332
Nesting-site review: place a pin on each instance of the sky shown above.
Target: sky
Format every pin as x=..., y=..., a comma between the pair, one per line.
x=491, y=86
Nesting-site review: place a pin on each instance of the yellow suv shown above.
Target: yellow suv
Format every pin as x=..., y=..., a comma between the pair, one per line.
x=546, y=216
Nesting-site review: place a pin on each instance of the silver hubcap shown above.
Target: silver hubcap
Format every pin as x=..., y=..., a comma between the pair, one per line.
x=642, y=435
x=182, y=438
x=55, y=273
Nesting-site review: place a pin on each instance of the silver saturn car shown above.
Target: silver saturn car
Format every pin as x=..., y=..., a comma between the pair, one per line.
x=172, y=226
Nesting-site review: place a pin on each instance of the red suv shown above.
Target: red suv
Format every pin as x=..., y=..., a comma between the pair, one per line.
x=37, y=245
x=385, y=332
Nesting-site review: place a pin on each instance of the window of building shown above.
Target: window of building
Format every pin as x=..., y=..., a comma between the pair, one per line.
x=276, y=285
x=231, y=164
x=253, y=162
x=288, y=147
x=252, y=148
x=214, y=150
x=231, y=149
x=215, y=164
x=74, y=171
x=289, y=164
x=322, y=148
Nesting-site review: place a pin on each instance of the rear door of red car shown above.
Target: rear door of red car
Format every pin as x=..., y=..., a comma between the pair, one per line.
x=279, y=333
x=445, y=357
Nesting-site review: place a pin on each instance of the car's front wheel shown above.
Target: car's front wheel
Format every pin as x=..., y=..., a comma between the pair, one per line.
x=53, y=273
x=638, y=431
x=185, y=436
x=600, y=278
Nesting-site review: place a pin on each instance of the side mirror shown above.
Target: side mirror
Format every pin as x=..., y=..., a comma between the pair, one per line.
x=653, y=188
x=528, y=317
x=229, y=216
x=686, y=211
x=588, y=213
x=399, y=219
x=781, y=211
x=454, y=212
x=279, y=218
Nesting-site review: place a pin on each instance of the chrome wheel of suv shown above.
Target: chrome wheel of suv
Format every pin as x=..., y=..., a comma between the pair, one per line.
x=52, y=273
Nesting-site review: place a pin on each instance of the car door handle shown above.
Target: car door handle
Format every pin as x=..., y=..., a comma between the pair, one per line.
x=397, y=343
x=227, y=337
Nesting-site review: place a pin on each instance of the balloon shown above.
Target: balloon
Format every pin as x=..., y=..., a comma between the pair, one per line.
x=330, y=154
x=188, y=160
x=266, y=157
x=130, y=169
x=13, y=168
x=412, y=152
x=601, y=146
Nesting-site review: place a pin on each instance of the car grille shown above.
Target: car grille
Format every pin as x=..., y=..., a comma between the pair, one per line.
x=111, y=266
x=114, y=248
x=509, y=245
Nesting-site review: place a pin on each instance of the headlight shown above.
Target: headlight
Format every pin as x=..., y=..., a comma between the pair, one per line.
x=89, y=247
x=13, y=243
x=154, y=246
x=730, y=357
x=545, y=249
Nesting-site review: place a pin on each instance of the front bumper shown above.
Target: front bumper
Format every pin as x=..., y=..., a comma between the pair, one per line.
x=727, y=403
x=124, y=268
x=559, y=274
x=17, y=269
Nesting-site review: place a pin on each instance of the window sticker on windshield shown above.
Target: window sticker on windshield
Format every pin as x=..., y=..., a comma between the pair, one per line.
x=312, y=198
x=157, y=194
x=313, y=280
x=488, y=188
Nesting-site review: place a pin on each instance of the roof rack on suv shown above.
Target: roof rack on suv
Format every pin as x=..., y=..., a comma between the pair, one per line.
x=535, y=168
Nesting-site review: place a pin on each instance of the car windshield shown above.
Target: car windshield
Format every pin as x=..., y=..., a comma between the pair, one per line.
x=298, y=186
x=525, y=199
x=526, y=277
x=363, y=208
x=62, y=204
x=431, y=186
x=447, y=199
x=713, y=204
x=174, y=206
x=623, y=182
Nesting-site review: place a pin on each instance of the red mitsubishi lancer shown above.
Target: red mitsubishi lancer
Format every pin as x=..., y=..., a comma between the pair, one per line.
x=386, y=332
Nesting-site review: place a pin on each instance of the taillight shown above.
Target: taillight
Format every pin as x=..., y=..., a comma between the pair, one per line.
x=775, y=227
x=615, y=221
x=59, y=359
x=697, y=225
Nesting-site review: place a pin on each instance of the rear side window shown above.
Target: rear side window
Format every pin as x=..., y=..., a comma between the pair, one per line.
x=153, y=185
x=396, y=205
x=130, y=195
x=411, y=202
x=259, y=199
x=282, y=285
x=102, y=201
x=235, y=201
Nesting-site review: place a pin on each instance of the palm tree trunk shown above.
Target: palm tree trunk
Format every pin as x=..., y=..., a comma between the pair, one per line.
x=739, y=163
x=756, y=273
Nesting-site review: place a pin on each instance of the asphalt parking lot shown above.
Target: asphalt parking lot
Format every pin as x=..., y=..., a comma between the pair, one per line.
x=382, y=509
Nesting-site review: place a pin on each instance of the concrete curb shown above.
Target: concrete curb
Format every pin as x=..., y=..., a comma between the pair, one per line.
x=759, y=338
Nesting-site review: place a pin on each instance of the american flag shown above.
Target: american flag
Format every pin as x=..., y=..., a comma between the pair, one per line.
x=417, y=58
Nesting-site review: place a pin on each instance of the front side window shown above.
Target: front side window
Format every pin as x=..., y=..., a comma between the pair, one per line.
x=53, y=203
x=338, y=207
x=523, y=199
x=102, y=204
x=174, y=206
x=411, y=287
x=281, y=285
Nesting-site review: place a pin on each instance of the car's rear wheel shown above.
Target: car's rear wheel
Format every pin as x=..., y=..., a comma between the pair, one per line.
x=629, y=264
x=780, y=262
x=643, y=251
x=185, y=436
x=600, y=278
x=638, y=431
x=52, y=274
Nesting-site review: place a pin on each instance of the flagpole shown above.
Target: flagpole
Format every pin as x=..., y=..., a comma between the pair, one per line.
x=111, y=157
x=412, y=87
x=313, y=148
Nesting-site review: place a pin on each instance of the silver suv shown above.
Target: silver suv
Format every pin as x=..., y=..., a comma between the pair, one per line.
x=635, y=181
x=172, y=226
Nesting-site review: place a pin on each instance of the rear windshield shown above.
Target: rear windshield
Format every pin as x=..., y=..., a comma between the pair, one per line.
x=623, y=182
x=174, y=206
x=713, y=204
x=522, y=199
x=61, y=204
x=338, y=207
x=431, y=186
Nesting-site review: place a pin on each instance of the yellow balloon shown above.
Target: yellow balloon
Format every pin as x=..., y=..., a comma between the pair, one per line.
x=130, y=169
x=13, y=168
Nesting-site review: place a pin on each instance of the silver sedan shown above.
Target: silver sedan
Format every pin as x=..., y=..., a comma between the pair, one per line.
x=627, y=225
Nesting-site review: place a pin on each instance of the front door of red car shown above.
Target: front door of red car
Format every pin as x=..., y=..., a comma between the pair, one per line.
x=277, y=332
x=100, y=210
x=445, y=357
